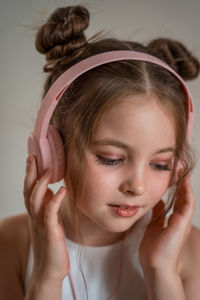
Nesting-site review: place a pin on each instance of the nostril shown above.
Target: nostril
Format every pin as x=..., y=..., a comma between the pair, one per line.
x=129, y=192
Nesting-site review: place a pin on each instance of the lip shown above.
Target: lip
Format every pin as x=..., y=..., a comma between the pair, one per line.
x=124, y=210
x=125, y=205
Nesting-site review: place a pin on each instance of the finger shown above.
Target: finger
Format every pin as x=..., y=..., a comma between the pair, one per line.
x=51, y=217
x=158, y=216
x=29, y=180
x=49, y=194
x=184, y=207
x=39, y=192
x=185, y=200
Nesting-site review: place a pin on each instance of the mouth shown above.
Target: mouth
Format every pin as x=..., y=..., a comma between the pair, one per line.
x=124, y=206
x=124, y=210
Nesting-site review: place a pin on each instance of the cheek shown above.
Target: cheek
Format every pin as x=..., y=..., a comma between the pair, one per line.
x=101, y=186
x=100, y=180
x=157, y=191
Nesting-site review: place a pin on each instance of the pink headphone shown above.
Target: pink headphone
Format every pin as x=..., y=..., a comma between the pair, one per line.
x=45, y=141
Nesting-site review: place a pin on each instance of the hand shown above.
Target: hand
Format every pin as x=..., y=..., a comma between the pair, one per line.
x=161, y=246
x=51, y=261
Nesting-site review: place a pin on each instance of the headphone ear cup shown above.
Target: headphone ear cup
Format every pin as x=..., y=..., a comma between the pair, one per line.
x=49, y=153
x=35, y=148
x=57, y=153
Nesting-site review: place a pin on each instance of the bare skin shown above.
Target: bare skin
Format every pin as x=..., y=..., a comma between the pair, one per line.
x=136, y=178
x=17, y=229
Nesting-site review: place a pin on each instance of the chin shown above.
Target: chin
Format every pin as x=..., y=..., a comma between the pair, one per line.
x=118, y=227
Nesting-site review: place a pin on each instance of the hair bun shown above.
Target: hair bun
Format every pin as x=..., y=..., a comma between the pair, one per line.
x=177, y=56
x=63, y=33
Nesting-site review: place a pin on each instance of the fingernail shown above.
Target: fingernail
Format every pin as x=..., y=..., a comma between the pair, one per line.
x=29, y=159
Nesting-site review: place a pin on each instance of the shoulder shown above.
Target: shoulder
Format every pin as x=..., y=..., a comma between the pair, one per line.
x=190, y=273
x=14, y=242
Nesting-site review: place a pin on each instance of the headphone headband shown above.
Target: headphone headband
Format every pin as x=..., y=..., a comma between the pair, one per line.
x=61, y=84
x=45, y=142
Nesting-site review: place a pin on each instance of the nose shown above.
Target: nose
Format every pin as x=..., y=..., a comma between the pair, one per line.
x=134, y=183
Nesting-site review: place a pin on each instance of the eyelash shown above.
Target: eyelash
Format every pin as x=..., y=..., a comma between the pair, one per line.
x=114, y=162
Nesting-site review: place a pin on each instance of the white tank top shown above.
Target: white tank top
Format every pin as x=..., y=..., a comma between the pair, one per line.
x=94, y=271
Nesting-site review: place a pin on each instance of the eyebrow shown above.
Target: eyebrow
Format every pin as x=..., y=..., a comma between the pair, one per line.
x=126, y=147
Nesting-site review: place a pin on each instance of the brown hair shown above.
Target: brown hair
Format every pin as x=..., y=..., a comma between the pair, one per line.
x=63, y=41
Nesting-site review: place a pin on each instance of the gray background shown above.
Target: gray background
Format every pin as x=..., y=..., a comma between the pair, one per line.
x=21, y=76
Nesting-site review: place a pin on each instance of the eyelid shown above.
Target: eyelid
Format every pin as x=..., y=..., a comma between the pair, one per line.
x=116, y=162
x=108, y=161
x=109, y=158
x=155, y=161
x=109, y=154
x=162, y=161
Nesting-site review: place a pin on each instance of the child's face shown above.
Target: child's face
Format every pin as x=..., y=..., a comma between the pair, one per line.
x=130, y=175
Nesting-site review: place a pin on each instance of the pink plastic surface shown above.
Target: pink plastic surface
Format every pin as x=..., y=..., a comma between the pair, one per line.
x=55, y=92
x=50, y=155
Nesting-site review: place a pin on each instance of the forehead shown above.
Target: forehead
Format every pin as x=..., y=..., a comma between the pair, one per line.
x=137, y=120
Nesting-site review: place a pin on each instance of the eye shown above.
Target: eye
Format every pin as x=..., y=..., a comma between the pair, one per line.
x=159, y=167
x=107, y=161
x=114, y=162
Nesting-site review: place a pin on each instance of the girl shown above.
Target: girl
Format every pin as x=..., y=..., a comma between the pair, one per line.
x=124, y=126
